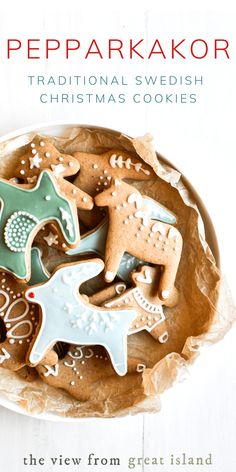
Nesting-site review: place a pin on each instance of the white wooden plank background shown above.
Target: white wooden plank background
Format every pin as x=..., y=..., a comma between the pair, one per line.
x=198, y=416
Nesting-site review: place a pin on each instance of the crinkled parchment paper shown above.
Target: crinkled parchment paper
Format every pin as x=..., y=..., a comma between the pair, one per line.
x=204, y=313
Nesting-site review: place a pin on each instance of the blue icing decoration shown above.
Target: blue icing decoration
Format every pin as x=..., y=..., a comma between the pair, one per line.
x=39, y=273
x=95, y=240
x=68, y=317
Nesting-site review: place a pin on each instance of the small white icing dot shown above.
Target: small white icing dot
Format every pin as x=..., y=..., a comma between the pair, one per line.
x=33, y=151
x=105, y=184
x=47, y=154
x=47, y=197
x=82, y=362
x=97, y=189
x=8, y=325
x=42, y=143
x=105, y=172
x=20, y=342
x=137, y=326
x=101, y=177
x=63, y=245
x=60, y=159
x=137, y=235
x=165, y=294
x=28, y=340
x=108, y=177
x=22, y=172
x=95, y=166
x=130, y=217
x=124, y=205
x=71, y=164
x=32, y=145
x=113, y=194
x=85, y=199
x=118, y=207
x=72, y=383
x=22, y=162
x=125, y=222
x=81, y=377
x=11, y=341
x=74, y=191
x=149, y=323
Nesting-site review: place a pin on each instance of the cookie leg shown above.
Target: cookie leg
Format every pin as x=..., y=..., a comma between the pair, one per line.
x=39, y=348
x=118, y=356
x=112, y=262
x=160, y=333
x=167, y=280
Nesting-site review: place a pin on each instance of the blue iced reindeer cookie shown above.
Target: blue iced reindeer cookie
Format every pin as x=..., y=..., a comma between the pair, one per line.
x=69, y=317
x=23, y=212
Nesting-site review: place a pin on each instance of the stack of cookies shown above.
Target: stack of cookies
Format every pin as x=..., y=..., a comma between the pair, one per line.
x=117, y=255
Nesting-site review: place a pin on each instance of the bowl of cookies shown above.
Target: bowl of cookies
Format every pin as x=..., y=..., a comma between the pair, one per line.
x=109, y=271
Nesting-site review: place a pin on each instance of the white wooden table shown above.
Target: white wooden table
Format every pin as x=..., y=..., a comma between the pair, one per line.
x=198, y=416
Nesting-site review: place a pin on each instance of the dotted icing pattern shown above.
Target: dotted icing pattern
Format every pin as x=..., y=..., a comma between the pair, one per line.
x=17, y=230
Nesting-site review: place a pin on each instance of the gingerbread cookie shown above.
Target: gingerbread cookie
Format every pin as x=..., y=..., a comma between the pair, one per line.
x=81, y=370
x=24, y=212
x=131, y=230
x=144, y=299
x=97, y=171
x=108, y=293
x=68, y=317
x=94, y=241
x=18, y=323
x=41, y=154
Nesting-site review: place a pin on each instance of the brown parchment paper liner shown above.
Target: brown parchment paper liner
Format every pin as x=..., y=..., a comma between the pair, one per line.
x=203, y=315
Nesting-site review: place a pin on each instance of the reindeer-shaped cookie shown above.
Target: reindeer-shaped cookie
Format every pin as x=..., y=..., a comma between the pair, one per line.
x=24, y=211
x=68, y=317
x=131, y=230
x=98, y=170
x=41, y=154
x=82, y=369
x=144, y=299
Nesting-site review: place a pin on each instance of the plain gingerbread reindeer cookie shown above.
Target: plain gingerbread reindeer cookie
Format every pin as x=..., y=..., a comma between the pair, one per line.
x=132, y=230
x=40, y=154
x=98, y=170
x=83, y=368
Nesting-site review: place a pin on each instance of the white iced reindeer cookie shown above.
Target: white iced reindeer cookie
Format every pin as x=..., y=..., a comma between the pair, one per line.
x=69, y=317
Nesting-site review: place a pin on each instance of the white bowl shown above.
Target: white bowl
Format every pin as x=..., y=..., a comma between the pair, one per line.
x=63, y=129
